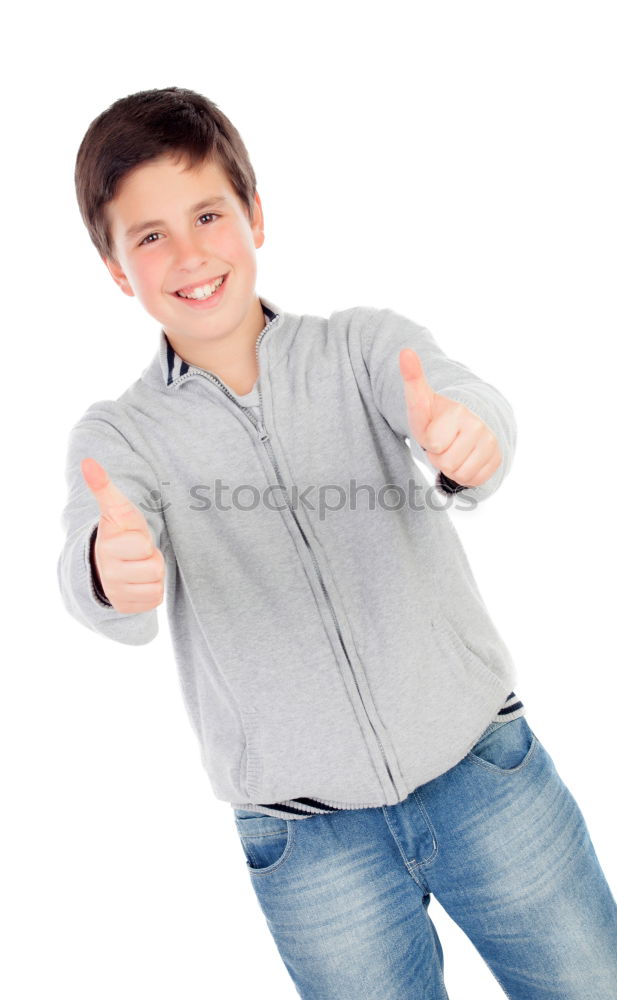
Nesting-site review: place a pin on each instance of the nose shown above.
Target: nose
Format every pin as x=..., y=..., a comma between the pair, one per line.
x=189, y=252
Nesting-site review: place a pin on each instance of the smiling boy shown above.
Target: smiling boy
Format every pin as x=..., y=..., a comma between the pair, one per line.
x=339, y=666
x=159, y=260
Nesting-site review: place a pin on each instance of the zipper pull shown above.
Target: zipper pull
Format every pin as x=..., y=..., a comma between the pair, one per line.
x=263, y=434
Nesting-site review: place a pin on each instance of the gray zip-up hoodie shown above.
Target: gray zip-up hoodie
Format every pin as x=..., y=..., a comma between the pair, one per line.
x=333, y=648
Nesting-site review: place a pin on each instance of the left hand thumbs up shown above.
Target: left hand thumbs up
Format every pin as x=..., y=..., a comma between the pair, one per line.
x=456, y=441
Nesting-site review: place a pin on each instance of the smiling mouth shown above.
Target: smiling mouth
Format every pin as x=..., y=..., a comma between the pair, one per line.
x=214, y=286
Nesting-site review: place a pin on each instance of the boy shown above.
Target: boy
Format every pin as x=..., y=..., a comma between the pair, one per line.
x=336, y=658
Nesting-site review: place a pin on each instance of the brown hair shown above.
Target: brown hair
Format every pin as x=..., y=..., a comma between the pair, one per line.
x=142, y=127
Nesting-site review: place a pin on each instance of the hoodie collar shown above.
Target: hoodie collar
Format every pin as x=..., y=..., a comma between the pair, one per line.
x=172, y=367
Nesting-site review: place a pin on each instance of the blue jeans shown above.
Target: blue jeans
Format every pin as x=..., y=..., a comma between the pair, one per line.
x=500, y=841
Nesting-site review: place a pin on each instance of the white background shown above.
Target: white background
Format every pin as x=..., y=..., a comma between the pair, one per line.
x=455, y=162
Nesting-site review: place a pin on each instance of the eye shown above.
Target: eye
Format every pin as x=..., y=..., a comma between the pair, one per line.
x=150, y=237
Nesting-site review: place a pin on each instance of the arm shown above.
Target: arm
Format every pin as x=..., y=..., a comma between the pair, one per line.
x=96, y=436
x=383, y=334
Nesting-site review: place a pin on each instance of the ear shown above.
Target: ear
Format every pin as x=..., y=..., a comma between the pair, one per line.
x=118, y=275
x=258, y=222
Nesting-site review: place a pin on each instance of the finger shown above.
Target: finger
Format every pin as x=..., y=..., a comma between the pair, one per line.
x=444, y=433
x=418, y=393
x=476, y=470
x=469, y=450
x=118, y=513
x=487, y=470
x=139, y=596
x=139, y=571
x=130, y=546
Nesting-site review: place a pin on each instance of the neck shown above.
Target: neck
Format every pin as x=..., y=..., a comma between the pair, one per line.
x=232, y=356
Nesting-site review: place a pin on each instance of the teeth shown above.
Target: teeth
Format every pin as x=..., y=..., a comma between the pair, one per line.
x=202, y=293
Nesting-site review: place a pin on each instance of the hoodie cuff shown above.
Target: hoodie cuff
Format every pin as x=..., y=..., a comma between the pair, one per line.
x=95, y=578
x=449, y=485
x=445, y=483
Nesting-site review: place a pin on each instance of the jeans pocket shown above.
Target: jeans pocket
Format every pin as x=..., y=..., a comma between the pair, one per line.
x=506, y=748
x=266, y=840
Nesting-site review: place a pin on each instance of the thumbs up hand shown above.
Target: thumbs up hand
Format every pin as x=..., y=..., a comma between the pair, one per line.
x=130, y=567
x=456, y=441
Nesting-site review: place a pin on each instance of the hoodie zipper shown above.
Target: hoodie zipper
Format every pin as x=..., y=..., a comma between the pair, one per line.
x=265, y=438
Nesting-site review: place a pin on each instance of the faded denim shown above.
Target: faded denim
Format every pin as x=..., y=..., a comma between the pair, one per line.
x=501, y=843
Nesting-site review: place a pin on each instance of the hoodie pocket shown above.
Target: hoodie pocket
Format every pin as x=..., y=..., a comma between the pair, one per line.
x=452, y=638
x=251, y=761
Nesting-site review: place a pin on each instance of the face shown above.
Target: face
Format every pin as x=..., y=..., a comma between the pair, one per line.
x=166, y=239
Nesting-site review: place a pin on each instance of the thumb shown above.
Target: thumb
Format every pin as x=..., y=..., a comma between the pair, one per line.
x=418, y=394
x=118, y=513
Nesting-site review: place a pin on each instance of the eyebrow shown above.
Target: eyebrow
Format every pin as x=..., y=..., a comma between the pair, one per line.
x=139, y=227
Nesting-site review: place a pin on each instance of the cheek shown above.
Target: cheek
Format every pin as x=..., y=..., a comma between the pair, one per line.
x=229, y=243
x=149, y=275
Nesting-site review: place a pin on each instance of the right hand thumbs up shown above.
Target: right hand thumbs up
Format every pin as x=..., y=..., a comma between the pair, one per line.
x=130, y=567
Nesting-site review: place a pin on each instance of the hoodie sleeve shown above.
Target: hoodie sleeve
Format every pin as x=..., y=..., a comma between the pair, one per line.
x=384, y=333
x=95, y=436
